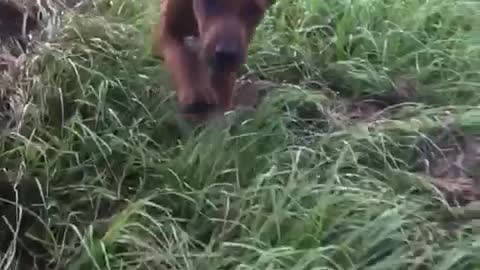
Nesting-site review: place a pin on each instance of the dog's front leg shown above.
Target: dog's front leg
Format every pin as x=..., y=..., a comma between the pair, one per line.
x=195, y=96
x=190, y=75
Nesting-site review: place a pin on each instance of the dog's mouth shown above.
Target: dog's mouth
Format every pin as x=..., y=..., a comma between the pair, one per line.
x=199, y=112
x=199, y=108
x=223, y=64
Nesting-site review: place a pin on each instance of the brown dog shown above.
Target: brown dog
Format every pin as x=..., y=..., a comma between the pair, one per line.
x=205, y=78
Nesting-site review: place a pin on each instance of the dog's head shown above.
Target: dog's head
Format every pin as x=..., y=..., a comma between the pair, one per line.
x=226, y=28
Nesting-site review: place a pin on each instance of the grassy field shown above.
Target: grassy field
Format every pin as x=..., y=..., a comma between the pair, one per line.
x=107, y=180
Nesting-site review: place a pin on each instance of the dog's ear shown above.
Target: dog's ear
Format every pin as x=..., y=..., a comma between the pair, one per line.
x=267, y=3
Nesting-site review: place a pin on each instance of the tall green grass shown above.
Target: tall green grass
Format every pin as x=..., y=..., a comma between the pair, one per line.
x=121, y=187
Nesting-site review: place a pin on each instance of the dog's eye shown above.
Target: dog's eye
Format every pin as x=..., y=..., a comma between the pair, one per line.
x=253, y=12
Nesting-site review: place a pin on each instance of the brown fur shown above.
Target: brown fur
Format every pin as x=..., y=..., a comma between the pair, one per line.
x=218, y=25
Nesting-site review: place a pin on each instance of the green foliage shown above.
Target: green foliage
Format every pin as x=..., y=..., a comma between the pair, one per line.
x=124, y=188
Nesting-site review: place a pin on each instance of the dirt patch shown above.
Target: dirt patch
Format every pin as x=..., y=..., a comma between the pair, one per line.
x=18, y=19
x=12, y=96
x=370, y=107
x=20, y=205
x=20, y=22
x=250, y=90
x=452, y=160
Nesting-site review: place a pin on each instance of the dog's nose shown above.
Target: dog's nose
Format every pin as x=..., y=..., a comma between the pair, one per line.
x=226, y=57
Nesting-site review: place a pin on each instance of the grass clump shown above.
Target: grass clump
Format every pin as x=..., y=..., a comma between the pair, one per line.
x=299, y=185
